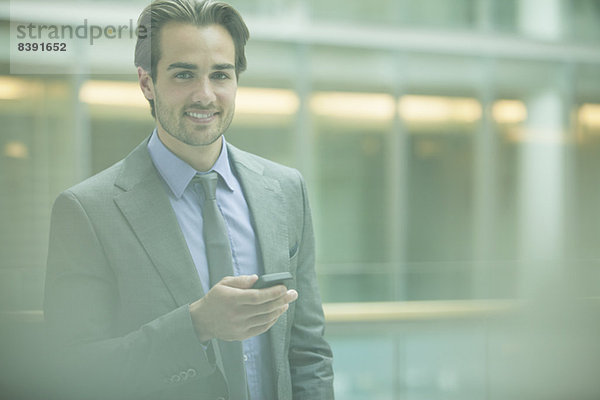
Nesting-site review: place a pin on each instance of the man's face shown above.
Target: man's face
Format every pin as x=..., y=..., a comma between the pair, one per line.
x=195, y=87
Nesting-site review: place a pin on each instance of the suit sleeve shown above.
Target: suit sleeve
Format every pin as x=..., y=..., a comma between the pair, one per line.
x=81, y=301
x=310, y=356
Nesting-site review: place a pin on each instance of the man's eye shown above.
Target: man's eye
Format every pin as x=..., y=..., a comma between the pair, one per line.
x=220, y=75
x=183, y=75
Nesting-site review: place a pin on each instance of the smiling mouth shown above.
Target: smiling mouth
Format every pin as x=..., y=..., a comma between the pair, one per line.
x=201, y=115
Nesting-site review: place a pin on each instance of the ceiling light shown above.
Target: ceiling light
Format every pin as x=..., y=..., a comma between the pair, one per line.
x=13, y=88
x=376, y=106
x=437, y=109
x=16, y=149
x=509, y=111
x=112, y=93
x=260, y=101
x=589, y=115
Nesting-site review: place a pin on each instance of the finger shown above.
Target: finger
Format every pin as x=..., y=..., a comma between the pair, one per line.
x=256, y=325
x=276, y=293
x=256, y=310
x=256, y=297
x=291, y=295
x=257, y=330
x=286, y=297
x=267, y=317
x=240, y=281
x=272, y=309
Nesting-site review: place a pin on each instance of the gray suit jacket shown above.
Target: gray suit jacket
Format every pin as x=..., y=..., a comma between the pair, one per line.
x=120, y=278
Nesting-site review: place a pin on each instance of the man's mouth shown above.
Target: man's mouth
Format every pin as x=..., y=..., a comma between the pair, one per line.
x=201, y=115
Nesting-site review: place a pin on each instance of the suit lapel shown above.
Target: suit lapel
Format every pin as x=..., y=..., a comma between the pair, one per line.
x=267, y=209
x=147, y=208
x=269, y=217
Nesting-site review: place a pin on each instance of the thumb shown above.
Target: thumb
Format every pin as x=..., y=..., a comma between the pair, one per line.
x=240, y=281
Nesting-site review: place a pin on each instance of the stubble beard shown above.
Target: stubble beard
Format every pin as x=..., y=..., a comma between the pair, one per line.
x=175, y=124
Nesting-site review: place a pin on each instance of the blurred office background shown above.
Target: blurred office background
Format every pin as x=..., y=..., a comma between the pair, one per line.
x=451, y=150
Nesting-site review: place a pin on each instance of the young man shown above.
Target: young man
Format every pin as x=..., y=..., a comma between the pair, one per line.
x=142, y=295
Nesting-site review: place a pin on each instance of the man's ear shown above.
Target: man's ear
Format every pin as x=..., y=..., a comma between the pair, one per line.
x=146, y=83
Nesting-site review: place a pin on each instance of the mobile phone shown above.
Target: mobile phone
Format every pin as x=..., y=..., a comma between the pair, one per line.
x=268, y=280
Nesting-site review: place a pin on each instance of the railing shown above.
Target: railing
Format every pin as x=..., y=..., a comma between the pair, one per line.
x=413, y=310
x=364, y=312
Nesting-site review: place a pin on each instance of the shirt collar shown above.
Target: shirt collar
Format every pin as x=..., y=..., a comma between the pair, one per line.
x=177, y=173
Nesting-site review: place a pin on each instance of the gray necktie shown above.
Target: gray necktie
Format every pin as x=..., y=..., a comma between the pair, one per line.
x=220, y=264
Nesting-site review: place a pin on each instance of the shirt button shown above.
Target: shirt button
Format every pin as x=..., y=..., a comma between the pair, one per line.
x=245, y=357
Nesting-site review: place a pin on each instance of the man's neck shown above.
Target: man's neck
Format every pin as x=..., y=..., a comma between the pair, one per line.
x=201, y=158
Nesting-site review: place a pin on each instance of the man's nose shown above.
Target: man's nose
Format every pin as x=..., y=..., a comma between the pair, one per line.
x=203, y=92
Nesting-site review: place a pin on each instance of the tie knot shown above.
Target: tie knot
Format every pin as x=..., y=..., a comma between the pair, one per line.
x=209, y=184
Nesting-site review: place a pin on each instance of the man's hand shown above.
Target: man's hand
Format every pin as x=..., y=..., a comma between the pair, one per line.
x=231, y=310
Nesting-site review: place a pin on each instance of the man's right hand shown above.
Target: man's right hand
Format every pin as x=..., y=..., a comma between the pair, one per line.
x=232, y=310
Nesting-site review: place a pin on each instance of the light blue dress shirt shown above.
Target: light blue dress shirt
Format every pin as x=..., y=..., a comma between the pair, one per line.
x=187, y=200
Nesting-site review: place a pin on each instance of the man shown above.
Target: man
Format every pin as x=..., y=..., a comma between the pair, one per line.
x=135, y=295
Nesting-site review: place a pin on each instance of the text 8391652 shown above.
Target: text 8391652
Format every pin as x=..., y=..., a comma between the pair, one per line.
x=42, y=46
